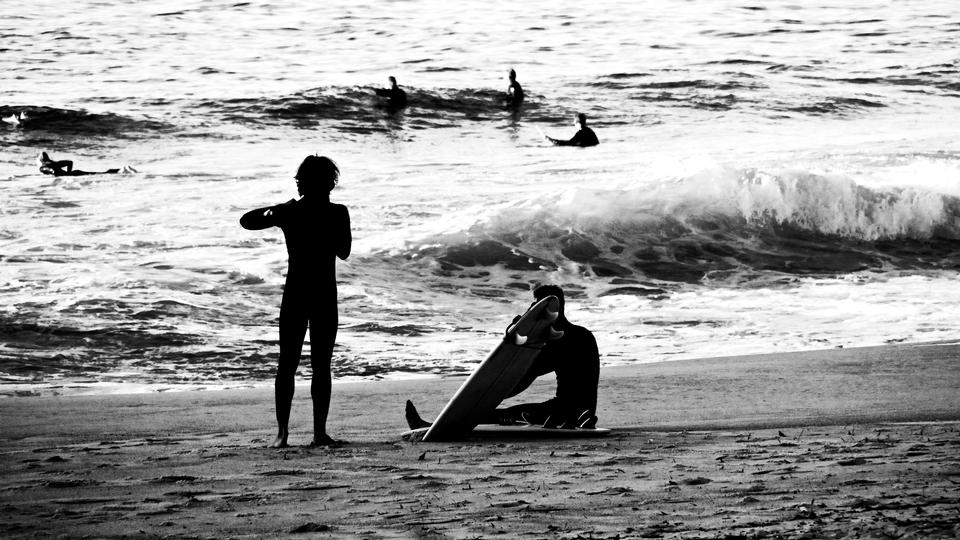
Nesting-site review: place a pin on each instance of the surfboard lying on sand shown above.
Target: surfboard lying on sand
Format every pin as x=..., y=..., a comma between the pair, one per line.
x=517, y=431
x=496, y=377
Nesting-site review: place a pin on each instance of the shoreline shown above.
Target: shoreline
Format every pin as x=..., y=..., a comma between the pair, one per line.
x=106, y=389
x=861, y=442
x=900, y=382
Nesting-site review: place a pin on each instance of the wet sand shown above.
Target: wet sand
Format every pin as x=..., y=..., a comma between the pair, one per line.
x=839, y=443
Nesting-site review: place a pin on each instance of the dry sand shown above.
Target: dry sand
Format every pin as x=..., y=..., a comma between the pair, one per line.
x=841, y=443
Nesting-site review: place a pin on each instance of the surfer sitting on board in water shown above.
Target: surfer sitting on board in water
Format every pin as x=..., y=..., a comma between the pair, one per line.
x=64, y=167
x=317, y=231
x=584, y=137
x=514, y=91
x=397, y=98
x=575, y=360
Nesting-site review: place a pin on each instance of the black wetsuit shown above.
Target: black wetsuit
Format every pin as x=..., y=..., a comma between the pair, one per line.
x=584, y=137
x=56, y=168
x=397, y=98
x=576, y=361
x=316, y=234
x=516, y=97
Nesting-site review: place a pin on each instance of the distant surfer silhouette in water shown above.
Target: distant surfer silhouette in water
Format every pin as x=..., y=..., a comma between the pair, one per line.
x=64, y=167
x=514, y=91
x=317, y=231
x=396, y=97
x=584, y=137
x=574, y=359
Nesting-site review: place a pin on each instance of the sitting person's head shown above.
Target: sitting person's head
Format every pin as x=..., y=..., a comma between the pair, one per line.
x=317, y=175
x=543, y=291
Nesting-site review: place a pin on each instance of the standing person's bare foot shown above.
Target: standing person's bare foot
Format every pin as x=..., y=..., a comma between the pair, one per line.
x=324, y=440
x=281, y=440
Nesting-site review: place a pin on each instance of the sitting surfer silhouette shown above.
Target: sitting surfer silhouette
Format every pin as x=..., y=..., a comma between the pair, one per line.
x=317, y=231
x=574, y=359
x=396, y=97
x=514, y=91
x=64, y=167
x=584, y=137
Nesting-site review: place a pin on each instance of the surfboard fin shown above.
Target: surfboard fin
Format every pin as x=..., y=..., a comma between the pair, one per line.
x=555, y=334
x=519, y=340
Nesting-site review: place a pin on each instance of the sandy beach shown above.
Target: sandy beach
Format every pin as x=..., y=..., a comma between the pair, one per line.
x=827, y=444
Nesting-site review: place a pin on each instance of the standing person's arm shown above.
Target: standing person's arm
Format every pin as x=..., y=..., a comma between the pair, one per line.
x=343, y=238
x=263, y=218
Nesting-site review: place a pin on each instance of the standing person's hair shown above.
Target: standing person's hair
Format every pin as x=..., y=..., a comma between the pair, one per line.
x=317, y=174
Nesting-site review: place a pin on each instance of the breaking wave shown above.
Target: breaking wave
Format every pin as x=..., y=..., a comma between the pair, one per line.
x=713, y=226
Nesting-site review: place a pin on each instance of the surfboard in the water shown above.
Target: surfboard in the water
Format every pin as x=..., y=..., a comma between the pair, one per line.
x=499, y=374
x=544, y=135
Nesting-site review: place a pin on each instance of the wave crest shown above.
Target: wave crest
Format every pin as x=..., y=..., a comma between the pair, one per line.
x=357, y=108
x=712, y=225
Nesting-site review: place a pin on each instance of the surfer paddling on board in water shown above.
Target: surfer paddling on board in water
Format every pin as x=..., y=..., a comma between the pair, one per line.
x=396, y=97
x=574, y=359
x=64, y=167
x=317, y=231
x=584, y=137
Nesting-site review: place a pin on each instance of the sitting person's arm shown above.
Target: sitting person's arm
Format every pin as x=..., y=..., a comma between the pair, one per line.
x=539, y=368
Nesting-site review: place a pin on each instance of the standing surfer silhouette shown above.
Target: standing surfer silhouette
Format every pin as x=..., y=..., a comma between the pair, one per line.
x=514, y=91
x=317, y=232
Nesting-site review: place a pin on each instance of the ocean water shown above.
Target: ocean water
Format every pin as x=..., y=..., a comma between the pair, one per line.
x=772, y=176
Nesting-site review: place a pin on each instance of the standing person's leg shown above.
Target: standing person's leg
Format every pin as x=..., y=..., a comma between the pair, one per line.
x=323, y=336
x=293, y=328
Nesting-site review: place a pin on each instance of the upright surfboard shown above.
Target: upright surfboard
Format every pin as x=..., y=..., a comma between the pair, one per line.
x=499, y=374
